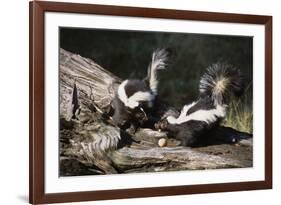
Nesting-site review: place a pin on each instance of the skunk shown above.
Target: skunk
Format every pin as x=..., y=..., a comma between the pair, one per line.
x=135, y=98
x=217, y=86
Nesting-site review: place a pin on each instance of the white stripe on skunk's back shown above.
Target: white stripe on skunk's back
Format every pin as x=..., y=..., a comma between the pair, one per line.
x=133, y=101
x=208, y=116
x=141, y=97
x=122, y=93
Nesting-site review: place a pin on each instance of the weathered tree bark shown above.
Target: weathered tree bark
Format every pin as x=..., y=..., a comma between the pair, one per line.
x=95, y=84
x=88, y=140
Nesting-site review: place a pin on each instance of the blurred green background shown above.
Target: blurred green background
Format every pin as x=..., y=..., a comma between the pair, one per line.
x=127, y=54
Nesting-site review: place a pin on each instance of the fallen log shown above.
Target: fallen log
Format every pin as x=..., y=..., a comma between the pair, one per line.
x=96, y=85
x=90, y=144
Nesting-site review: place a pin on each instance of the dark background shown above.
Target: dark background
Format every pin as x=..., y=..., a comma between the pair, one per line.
x=128, y=53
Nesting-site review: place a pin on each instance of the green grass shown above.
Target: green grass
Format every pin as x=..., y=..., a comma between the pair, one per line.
x=240, y=113
x=239, y=117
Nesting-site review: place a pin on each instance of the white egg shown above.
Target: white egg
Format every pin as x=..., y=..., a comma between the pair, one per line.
x=162, y=142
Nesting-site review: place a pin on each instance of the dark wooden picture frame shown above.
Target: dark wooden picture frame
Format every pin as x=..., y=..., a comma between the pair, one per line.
x=37, y=98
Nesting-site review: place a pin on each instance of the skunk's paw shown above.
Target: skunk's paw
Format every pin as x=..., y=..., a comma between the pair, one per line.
x=161, y=125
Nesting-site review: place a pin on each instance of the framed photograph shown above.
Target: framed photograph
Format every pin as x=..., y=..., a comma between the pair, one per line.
x=138, y=102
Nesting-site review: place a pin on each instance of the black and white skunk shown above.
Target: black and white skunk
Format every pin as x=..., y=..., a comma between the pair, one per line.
x=135, y=98
x=217, y=86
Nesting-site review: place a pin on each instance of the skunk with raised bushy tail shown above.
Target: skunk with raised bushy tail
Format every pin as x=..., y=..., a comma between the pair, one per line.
x=217, y=86
x=135, y=98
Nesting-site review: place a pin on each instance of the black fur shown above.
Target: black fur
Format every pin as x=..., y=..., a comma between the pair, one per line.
x=203, y=103
x=126, y=117
x=216, y=73
x=135, y=85
x=210, y=96
x=188, y=133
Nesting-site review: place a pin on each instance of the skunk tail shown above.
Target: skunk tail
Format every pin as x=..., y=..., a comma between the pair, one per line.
x=159, y=61
x=220, y=82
